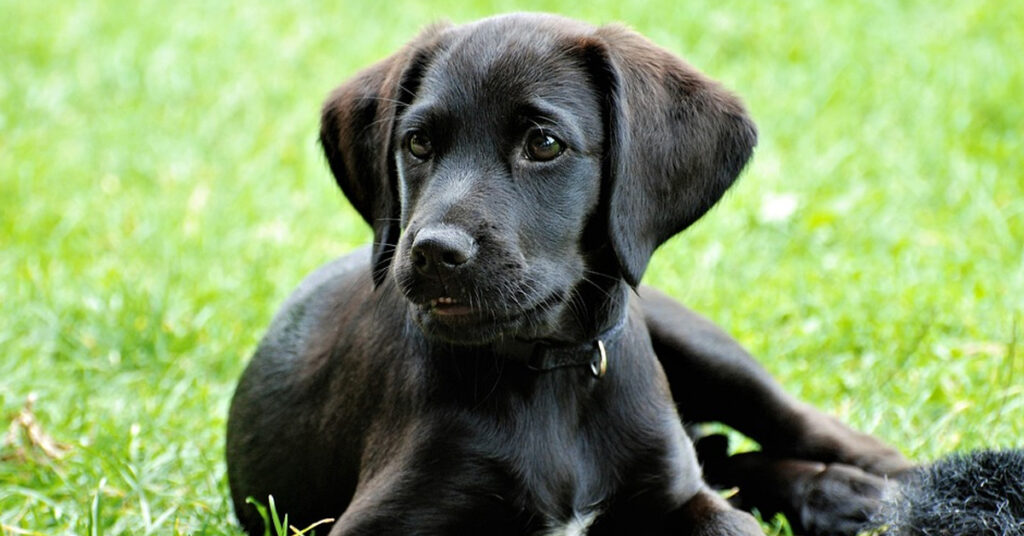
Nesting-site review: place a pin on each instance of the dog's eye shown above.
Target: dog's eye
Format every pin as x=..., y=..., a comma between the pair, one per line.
x=542, y=147
x=418, y=144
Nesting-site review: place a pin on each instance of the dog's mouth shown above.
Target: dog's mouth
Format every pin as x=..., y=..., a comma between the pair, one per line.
x=462, y=321
x=445, y=306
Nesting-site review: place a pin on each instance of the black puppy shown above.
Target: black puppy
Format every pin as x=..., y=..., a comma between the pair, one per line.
x=490, y=365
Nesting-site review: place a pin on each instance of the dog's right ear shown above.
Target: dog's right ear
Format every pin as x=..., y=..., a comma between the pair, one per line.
x=676, y=140
x=355, y=133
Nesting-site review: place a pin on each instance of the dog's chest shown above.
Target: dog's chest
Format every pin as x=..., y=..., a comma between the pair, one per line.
x=562, y=481
x=566, y=457
x=558, y=453
x=578, y=525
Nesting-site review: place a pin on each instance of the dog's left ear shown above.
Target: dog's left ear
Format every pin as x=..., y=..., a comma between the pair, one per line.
x=355, y=133
x=676, y=141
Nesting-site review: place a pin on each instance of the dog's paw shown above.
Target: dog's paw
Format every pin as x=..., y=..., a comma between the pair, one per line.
x=818, y=499
x=840, y=500
x=730, y=523
x=707, y=514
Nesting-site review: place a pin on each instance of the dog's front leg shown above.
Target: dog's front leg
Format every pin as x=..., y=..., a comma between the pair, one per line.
x=707, y=514
x=713, y=379
x=431, y=490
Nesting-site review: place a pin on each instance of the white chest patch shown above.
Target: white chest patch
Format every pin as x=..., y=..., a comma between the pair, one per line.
x=577, y=526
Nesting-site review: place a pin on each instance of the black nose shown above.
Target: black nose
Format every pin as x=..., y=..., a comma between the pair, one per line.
x=441, y=248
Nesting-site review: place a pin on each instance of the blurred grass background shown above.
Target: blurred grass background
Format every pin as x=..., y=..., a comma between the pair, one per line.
x=161, y=192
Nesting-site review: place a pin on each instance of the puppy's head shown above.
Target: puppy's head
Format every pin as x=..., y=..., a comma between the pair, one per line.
x=507, y=163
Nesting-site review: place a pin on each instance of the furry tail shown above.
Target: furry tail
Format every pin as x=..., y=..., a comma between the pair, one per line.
x=975, y=494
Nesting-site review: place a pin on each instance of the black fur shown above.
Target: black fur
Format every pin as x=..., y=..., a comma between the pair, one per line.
x=974, y=494
x=409, y=388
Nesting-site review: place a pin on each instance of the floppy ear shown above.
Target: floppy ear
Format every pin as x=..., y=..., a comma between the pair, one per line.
x=355, y=133
x=676, y=141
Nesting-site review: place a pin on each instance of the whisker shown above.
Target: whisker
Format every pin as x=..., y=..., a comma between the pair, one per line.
x=600, y=274
x=597, y=286
x=384, y=99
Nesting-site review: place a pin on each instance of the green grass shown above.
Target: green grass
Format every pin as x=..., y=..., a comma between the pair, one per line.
x=161, y=192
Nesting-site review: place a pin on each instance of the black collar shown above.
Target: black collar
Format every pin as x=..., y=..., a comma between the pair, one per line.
x=548, y=356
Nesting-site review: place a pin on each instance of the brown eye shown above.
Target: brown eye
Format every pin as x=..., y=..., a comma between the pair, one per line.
x=542, y=147
x=418, y=144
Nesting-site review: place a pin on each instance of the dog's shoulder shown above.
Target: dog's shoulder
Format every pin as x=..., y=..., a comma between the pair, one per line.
x=328, y=304
x=337, y=281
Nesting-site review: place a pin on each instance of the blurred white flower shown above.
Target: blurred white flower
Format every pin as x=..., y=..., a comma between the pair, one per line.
x=777, y=208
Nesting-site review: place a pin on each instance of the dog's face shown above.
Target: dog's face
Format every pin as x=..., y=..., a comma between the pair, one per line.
x=507, y=163
x=498, y=159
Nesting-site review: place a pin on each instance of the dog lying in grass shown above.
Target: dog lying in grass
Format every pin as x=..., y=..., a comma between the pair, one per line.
x=491, y=363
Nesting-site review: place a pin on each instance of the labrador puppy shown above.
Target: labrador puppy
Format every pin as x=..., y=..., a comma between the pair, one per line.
x=490, y=365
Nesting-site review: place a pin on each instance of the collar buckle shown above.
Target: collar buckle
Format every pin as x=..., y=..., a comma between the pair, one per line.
x=599, y=365
x=592, y=354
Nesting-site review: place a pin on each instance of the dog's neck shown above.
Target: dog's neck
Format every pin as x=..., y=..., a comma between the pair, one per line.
x=579, y=342
x=584, y=338
x=547, y=356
